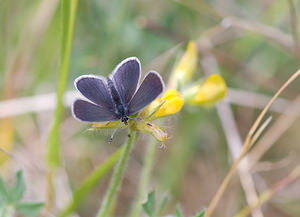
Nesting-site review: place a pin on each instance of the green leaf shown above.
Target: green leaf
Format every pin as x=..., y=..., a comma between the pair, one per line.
x=30, y=209
x=149, y=205
x=178, y=211
x=162, y=205
x=3, y=193
x=17, y=192
x=91, y=181
x=201, y=214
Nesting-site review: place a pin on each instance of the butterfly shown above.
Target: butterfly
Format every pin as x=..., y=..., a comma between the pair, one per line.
x=118, y=96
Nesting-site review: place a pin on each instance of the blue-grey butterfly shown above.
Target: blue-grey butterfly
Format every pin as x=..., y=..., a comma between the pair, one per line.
x=118, y=96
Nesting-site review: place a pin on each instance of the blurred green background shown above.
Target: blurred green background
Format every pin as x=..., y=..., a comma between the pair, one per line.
x=255, y=46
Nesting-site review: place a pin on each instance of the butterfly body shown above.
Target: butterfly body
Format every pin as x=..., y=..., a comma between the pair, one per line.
x=118, y=96
x=120, y=108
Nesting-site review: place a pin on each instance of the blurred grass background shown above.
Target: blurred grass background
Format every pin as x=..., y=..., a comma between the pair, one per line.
x=257, y=59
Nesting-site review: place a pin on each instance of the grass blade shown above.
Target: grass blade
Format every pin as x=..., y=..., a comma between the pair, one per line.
x=91, y=181
x=68, y=20
x=111, y=196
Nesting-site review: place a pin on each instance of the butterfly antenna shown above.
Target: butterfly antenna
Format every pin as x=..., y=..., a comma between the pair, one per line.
x=107, y=123
x=136, y=119
x=112, y=135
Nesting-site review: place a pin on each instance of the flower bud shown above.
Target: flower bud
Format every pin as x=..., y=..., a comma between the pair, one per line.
x=213, y=90
x=186, y=67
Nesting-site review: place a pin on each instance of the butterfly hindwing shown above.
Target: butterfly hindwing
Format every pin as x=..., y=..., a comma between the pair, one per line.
x=89, y=112
x=151, y=87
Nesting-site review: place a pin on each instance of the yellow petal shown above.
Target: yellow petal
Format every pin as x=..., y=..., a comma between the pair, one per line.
x=150, y=109
x=112, y=124
x=171, y=94
x=169, y=104
x=173, y=104
x=213, y=89
x=186, y=67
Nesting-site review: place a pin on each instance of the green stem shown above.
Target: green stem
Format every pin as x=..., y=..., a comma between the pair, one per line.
x=69, y=9
x=91, y=181
x=111, y=195
x=7, y=212
x=145, y=177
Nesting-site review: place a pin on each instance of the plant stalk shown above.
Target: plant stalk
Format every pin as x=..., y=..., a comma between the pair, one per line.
x=111, y=195
x=144, y=181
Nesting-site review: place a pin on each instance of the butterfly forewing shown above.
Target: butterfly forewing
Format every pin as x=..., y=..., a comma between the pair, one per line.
x=151, y=87
x=126, y=77
x=95, y=89
x=89, y=112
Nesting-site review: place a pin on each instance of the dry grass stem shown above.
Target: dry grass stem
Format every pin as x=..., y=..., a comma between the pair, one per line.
x=294, y=27
x=47, y=102
x=281, y=125
x=233, y=138
x=266, y=195
x=256, y=100
x=246, y=147
x=259, y=131
x=268, y=32
x=235, y=146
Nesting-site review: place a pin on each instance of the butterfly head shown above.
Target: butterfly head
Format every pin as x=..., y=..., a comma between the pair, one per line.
x=124, y=119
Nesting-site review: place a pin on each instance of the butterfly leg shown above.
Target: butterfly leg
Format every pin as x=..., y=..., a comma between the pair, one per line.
x=112, y=135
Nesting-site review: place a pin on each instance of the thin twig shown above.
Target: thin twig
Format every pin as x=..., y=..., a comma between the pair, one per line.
x=259, y=131
x=47, y=102
x=235, y=146
x=273, y=34
x=233, y=138
x=256, y=100
x=247, y=146
x=7, y=153
x=280, y=126
x=294, y=27
x=266, y=195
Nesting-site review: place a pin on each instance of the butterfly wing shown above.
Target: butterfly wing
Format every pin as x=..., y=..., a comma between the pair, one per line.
x=126, y=77
x=89, y=112
x=149, y=90
x=95, y=89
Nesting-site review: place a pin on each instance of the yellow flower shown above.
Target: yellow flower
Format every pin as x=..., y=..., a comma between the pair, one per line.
x=213, y=89
x=186, y=67
x=169, y=104
x=112, y=124
x=173, y=103
x=152, y=129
